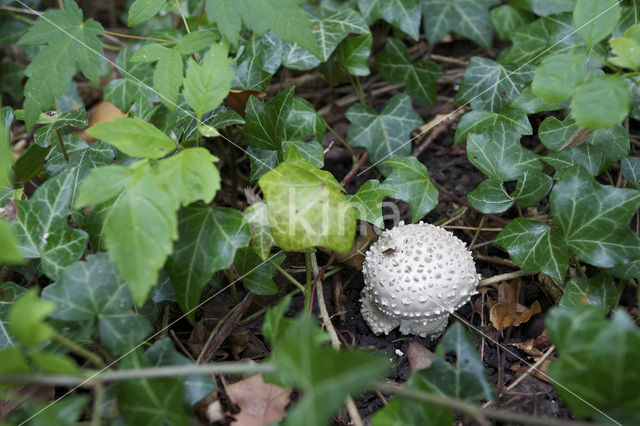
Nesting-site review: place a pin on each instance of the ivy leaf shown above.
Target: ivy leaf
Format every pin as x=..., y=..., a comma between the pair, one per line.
x=284, y=17
x=631, y=170
x=506, y=18
x=307, y=208
x=584, y=155
x=169, y=71
x=6, y=118
x=410, y=179
x=42, y=230
x=534, y=245
x=368, y=201
x=597, y=291
x=420, y=77
x=601, y=102
x=257, y=215
x=59, y=121
x=468, y=18
x=500, y=158
x=594, y=218
x=490, y=197
x=143, y=10
x=150, y=401
x=208, y=242
x=9, y=292
x=596, y=361
x=81, y=155
x=531, y=187
x=612, y=143
x=311, y=151
x=71, y=46
x=330, y=31
x=531, y=104
x=257, y=275
x=509, y=124
x=595, y=19
x=402, y=14
x=93, y=292
x=487, y=85
x=353, y=53
x=558, y=76
x=265, y=122
x=134, y=137
x=30, y=163
x=253, y=69
x=207, y=84
x=551, y=7
x=553, y=133
x=302, y=122
x=384, y=135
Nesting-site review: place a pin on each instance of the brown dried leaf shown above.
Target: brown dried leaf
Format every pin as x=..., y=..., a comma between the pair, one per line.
x=10, y=212
x=355, y=256
x=528, y=347
x=101, y=112
x=508, y=312
x=237, y=99
x=259, y=403
x=419, y=357
x=539, y=372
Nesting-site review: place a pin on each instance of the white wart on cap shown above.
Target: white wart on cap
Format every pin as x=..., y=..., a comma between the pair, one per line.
x=415, y=276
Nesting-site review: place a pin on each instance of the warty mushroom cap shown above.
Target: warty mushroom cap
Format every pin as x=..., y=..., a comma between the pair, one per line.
x=415, y=275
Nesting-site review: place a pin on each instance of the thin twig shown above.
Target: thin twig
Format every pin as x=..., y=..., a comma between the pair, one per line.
x=533, y=367
x=504, y=277
x=363, y=159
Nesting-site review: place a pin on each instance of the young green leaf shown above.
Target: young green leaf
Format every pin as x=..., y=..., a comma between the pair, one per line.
x=143, y=10
x=468, y=18
x=134, y=137
x=558, y=76
x=353, y=53
x=107, y=302
x=626, y=48
x=208, y=242
x=207, y=84
x=387, y=134
x=490, y=197
x=601, y=102
x=487, y=85
x=197, y=41
x=257, y=215
x=402, y=14
x=71, y=46
x=9, y=293
x=420, y=77
x=42, y=229
x=410, y=179
x=284, y=17
x=595, y=19
x=502, y=159
x=168, y=74
x=265, y=122
x=191, y=175
x=257, y=275
x=10, y=246
x=26, y=318
x=368, y=201
x=597, y=291
x=307, y=208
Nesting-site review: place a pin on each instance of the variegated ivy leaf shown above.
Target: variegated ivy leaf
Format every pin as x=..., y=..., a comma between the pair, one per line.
x=509, y=124
x=410, y=179
x=368, y=201
x=9, y=292
x=503, y=159
x=331, y=30
x=631, y=170
x=487, y=85
x=257, y=215
x=44, y=134
x=490, y=197
x=135, y=83
x=402, y=14
x=468, y=18
x=253, y=69
x=42, y=229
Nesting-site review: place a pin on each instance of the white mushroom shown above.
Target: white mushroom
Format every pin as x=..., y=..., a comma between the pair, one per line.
x=415, y=276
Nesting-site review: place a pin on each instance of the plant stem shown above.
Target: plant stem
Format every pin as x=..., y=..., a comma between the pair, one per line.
x=140, y=37
x=287, y=275
x=78, y=350
x=91, y=376
x=98, y=400
x=307, y=294
x=504, y=277
x=477, y=234
x=184, y=20
x=340, y=138
x=62, y=147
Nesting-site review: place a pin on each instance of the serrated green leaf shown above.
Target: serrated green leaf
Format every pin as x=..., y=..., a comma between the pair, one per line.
x=93, y=292
x=502, y=159
x=197, y=41
x=402, y=14
x=307, y=208
x=531, y=187
x=143, y=10
x=596, y=364
x=169, y=71
x=257, y=275
x=593, y=218
x=544, y=36
x=487, y=85
x=597, y=291
x=410, y=179
x=387, y=134
x=60, y=120
x=535, y=245
x=303, y=122
x=420, y=77
x=490, y=197
x=71, y=46
x=9, y=292
x=510, y=124
x=353, y=53
x=468, y=18
x=26, y=318
x=331, y=30
x=584, y=155
x=506, y=18
x=531, y=104
x=191, y=175
x=284, y=17
x=595, y=19
x=265, y=122
x=553, y=133
x=208, y=242
x=134, y=137
x=558, y=76
x=368, y=201
x=10, y=246
x=207, y=84
x=601, y=102
x=150, y=401
x=196, y=387
x=631, y=170
x=257, y=215
x=626, y=48
x=42, y=230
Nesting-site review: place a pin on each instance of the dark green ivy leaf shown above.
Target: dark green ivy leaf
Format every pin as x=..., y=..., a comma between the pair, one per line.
x=468, y=18
x=43, y=135
x=410, y=179
x=353, y=53
x=368, y=201
x=490, y=197
x=631, y=170
x=500, y=158
x=509, y=124
x=257, y=275
x=402, y=14
x=265, y=122
x=597, y=291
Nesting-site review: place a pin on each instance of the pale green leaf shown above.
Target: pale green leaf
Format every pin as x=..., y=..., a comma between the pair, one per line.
x=143, y=10
x=168, y=74
x=626, y=48
x=558, y=76
x=601, y=102
x=257, y=215
x=595, y=19
x=191, y=175
x=26, y=318
x=10, y=245
x=134, y=137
